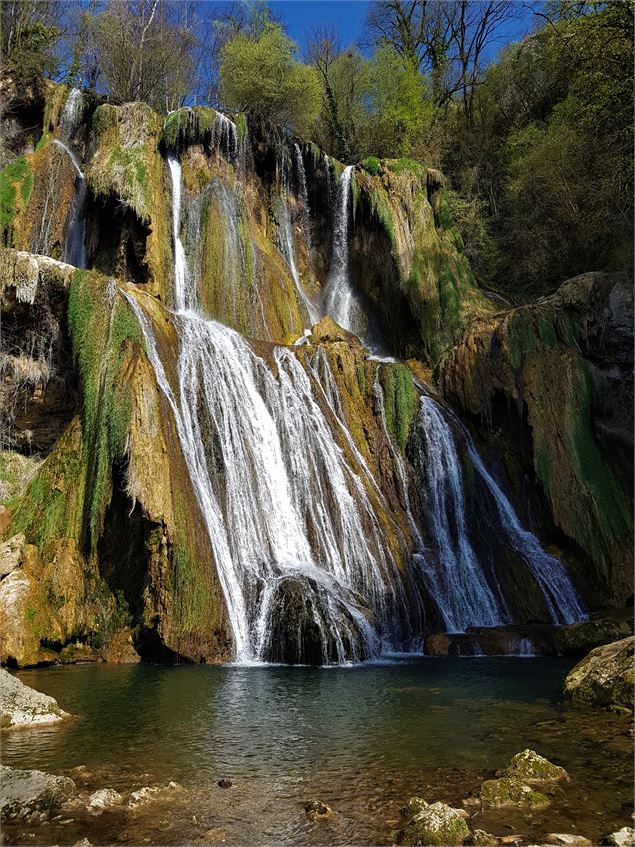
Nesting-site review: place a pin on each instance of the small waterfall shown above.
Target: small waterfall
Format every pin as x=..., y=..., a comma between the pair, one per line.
x=71, y=113
x=184, y=297
x=285, y=235
x=227, y=137
x=299, y=165
x=75, y=241
x=560, y=595
x=452, y=572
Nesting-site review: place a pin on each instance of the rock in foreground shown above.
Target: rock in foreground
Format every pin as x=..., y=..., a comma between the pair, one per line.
x=316, y=810
x=435, y=824
x=533, y=769
x=26, y=791
x=604, y=678
x=624, y=837
x=509, y=791
x=21, y=706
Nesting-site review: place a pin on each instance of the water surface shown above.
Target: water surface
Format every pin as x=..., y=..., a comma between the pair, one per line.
x=363, y=739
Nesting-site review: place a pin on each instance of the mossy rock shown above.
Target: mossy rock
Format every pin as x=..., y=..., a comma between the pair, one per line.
x=584, y=636
x=510, y=791
x=480, y=838
x=412, y=807
x=533, y=769
x=436, y=824
x=604, y=678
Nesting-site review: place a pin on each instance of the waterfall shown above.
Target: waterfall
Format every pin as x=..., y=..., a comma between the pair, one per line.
x=560, y=595
x=306, y=572
x=183, y=294
x=285, y=235
x=453, y=574
x=299, y=164
x=456, y=580
x=71, y=113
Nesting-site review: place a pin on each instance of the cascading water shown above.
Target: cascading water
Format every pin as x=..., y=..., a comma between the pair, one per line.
x=456, y=580
x=560, y=595
x=453, y=573
x=75, y=243
x=340, y=301
x=183, y=293
x=285, y=235
x=305, y=569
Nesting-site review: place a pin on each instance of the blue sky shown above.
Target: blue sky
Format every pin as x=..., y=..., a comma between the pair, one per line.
x=348, y=15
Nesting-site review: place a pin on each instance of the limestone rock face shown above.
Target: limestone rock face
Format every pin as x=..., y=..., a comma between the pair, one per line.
x=29, y=790
x=11, y=554
x=22, y=706
x=436, y=824
x=605, y=677
x=551, y=384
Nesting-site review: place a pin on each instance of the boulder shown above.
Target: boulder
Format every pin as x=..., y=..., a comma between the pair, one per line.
x=510, y=791
x=436, y=824
x=316, y=810
x=105, y=798
x=579, y=638
x=21, y=706
x=604, y=678
x=564, y=839
x=22, y=790
x=624, y=837
x=532, y=769
x=412, y=807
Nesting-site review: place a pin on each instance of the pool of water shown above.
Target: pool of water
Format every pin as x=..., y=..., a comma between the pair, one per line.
x=363, y=739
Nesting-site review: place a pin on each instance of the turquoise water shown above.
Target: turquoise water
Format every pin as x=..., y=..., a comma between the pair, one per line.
x=363, y=739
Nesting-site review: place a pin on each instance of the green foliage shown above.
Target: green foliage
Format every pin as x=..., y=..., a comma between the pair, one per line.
x=400, y=108
x=372, y=164
x=401, y=401
x=16, y=185
x=189, y=126
x=29, y=34
x=259, y=76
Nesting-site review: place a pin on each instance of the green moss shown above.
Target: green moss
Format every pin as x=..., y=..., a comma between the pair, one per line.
x=372, y=165
x=241, y=126
x=401, y=401
x=16, y=185
x=188, y=126
x=399, y=166
x=361, y=378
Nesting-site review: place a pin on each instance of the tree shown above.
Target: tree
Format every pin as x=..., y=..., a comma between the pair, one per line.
x=30, y=31
x=259, y=76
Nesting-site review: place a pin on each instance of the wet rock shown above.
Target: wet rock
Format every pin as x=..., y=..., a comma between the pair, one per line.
x=563, y=839
x=624, y=837
x=412, y=807
x=105, y=798
x=532, y=769
x=437, y=824
x=22, y=792
x=509, y=791
x=480, y=838
x=316, y=810
x=83, y=843
x=21, y=706
x=142, y=796
x=605, y=677
x=579, y=638
x=224, y=783
x=11, y=554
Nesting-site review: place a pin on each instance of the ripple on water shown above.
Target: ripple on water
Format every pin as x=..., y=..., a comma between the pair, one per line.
x=362, y=739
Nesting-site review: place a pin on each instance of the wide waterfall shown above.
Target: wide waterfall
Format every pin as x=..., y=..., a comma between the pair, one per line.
x=306, y=571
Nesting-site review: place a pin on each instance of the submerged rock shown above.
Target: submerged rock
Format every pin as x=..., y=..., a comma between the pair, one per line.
x=435, y=824
x=604, y=678
x=510, y=791
x=142, y=796
x=105, y=798
x=624, y=837
x=563, y=839
x=480, y=838
x=21, y=706
x=26, y=791
x=532, y=769
x=316, y=810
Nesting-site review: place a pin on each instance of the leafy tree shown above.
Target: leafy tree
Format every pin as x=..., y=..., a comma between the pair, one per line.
x=260, y=76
